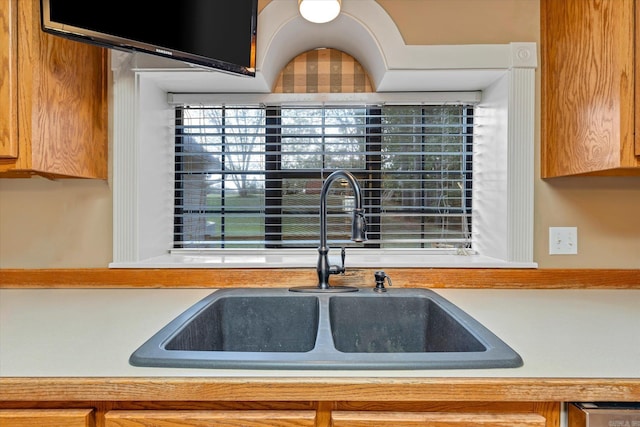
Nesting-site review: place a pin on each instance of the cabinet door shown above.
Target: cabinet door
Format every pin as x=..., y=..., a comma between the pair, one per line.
x=248, y=418
x=8, y=79
x=433, y=419
x=65, y=103
x=637, y=79
x=588, y=88
x=46, y=417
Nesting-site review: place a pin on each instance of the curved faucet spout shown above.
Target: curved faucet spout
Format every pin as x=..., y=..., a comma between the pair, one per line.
x=358, y=228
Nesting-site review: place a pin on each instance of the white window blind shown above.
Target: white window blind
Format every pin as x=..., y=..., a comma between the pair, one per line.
x=250, y=176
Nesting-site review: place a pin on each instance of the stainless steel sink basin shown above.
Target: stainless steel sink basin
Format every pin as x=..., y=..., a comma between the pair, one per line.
x=280, y=329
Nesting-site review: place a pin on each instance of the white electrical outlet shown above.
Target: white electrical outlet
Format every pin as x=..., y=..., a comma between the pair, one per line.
x=563, y=240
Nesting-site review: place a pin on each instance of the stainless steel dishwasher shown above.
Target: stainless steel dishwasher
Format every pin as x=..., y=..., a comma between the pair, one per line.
x=604, y=414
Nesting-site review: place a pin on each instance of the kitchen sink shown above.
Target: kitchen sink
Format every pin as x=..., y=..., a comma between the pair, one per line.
x=248, y=328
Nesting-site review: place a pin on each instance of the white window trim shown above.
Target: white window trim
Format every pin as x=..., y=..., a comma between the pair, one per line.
x=503, y=164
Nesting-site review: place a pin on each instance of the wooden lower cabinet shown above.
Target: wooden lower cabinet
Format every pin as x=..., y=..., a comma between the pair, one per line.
x=446, y=414
x=433, y=419
x=46, y=418
x=308, y=419
x=283, y=414
x=210, y=418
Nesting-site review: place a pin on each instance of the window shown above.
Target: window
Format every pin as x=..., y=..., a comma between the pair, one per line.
x=250, y=176
x=500, y=77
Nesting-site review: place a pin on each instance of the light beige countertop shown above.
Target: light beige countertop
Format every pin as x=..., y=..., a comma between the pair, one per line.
x=91, y=333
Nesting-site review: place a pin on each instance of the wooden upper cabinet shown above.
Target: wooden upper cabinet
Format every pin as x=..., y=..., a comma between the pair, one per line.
x=8, y=79
x=589, y=99
x=53, y=103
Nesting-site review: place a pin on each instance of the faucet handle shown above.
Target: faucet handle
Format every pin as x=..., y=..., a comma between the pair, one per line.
x=338, y=269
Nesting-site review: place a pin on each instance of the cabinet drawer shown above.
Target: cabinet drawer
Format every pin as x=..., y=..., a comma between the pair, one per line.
x=177, y=418
x=433, y=419
x=46, y=418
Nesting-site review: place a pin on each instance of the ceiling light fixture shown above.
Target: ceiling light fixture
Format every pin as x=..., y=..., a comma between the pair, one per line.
x=319, y=11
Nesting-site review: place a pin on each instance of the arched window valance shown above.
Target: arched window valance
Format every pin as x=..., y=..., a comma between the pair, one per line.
x=323, y=71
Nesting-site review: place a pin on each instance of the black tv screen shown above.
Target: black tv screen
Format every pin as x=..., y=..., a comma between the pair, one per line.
x=218, y=34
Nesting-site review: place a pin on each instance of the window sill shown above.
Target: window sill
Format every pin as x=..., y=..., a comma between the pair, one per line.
x=296, y=258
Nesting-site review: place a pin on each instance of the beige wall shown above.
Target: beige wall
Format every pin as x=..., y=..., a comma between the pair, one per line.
x=50, y=224
x=464, y=21
x=55, y=224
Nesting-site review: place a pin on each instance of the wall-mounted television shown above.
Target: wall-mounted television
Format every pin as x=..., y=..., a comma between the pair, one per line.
x=216, y=34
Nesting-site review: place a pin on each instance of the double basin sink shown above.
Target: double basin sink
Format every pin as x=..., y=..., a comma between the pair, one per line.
x=248, y=328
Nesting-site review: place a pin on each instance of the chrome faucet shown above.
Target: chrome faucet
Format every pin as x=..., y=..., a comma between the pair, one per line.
x=358, y=230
